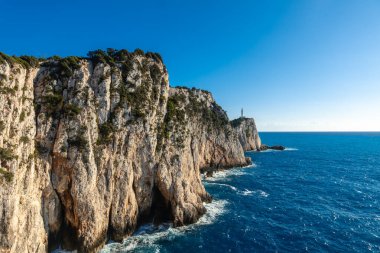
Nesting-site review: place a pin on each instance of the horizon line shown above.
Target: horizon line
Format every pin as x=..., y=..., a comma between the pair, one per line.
x=320, y=131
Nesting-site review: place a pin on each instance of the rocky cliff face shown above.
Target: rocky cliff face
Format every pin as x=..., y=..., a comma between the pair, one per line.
x=92, y=147
x=247, y=133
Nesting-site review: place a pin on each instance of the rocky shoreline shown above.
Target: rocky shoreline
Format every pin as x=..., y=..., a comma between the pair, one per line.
x=91, y=147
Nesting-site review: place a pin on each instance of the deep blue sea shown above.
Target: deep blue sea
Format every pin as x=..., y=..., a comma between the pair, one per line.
x=322, y=194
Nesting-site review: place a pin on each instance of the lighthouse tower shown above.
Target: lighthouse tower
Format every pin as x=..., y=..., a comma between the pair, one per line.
x=241, y=116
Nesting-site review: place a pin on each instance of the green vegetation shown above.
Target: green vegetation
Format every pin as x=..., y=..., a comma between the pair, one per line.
x=137, y=100
x=62, y=67
x=105, y=133
x=6, y=154
x=55, y=106
x=213, y=116
x=79, y=140
x=41, y=149
x=55, y=58
x=24, y=139
x=2, y=78
x=112, y=56
x=138, y=51
x=155, y=56
x=7, y=90
x=174, y=119
x=210, y=116
x=155, y=72
x=53, y=103
x=7, y=175
x=247, y=132
x=237, y=122
x=31, y=61
x=25, y=61
x=104, y=77
x=22, y=116
x=99, y=56
x=71, y=110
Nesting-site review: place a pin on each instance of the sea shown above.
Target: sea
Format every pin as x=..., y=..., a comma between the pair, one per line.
x=321, y=194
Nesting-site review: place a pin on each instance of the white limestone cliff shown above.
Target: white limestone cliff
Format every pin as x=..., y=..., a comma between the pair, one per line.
x=92, y=147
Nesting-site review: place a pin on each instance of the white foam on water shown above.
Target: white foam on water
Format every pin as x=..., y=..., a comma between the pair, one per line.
x=148, y=235
x=275, y=150
x=262, y=193
x=252, y=165
x=224, y=174
x=214, y=209
x=246, y=192
x=227, y=185
x=291, y=149
x=269, y=151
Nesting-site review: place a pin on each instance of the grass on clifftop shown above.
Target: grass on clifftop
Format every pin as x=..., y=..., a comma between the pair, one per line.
x=25, y=61
x=111, y=55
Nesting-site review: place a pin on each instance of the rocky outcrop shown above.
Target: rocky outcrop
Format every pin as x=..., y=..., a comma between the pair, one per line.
x=92, y=147
x=247, y=133
x=276, y=147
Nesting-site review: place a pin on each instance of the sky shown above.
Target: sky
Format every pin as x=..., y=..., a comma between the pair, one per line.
x=293, y=65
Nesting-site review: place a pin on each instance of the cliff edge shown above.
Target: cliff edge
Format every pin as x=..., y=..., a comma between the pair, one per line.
x=247, y=133
x=92, y=147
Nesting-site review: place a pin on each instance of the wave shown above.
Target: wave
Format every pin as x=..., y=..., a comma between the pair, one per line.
x=246, y=192
x=147, y=236
x=291, y=149
x=229, y=186
x=252, y=165
x=224, y=174
x=260, y=193
x=275, y=150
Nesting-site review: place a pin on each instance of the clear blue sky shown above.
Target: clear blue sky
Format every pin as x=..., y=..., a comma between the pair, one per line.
x=293, y=65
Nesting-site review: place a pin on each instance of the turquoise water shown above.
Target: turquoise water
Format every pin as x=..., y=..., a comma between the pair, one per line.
x=320, y=195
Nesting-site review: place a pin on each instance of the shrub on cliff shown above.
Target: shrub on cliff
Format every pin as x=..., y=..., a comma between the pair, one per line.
x=98, y=56
x=22, y=116
x=68, y=65
x=40, y=148
x=7, y=175
x=3, y=77
x=6, y=154
x=25, y=61
x=237, y=122
x=24, y=139
x=105, y=133
x=139, y=52
x=53, y=102
x=155, y=56
x=111, y=56
x=78, y=141
x=71, y=110
x=62, y=67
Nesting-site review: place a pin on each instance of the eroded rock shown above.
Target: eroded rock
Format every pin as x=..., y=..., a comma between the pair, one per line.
x=92, y=147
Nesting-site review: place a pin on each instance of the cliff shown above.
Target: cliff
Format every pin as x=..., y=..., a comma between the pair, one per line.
x=247, y=133
x=92, y=147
